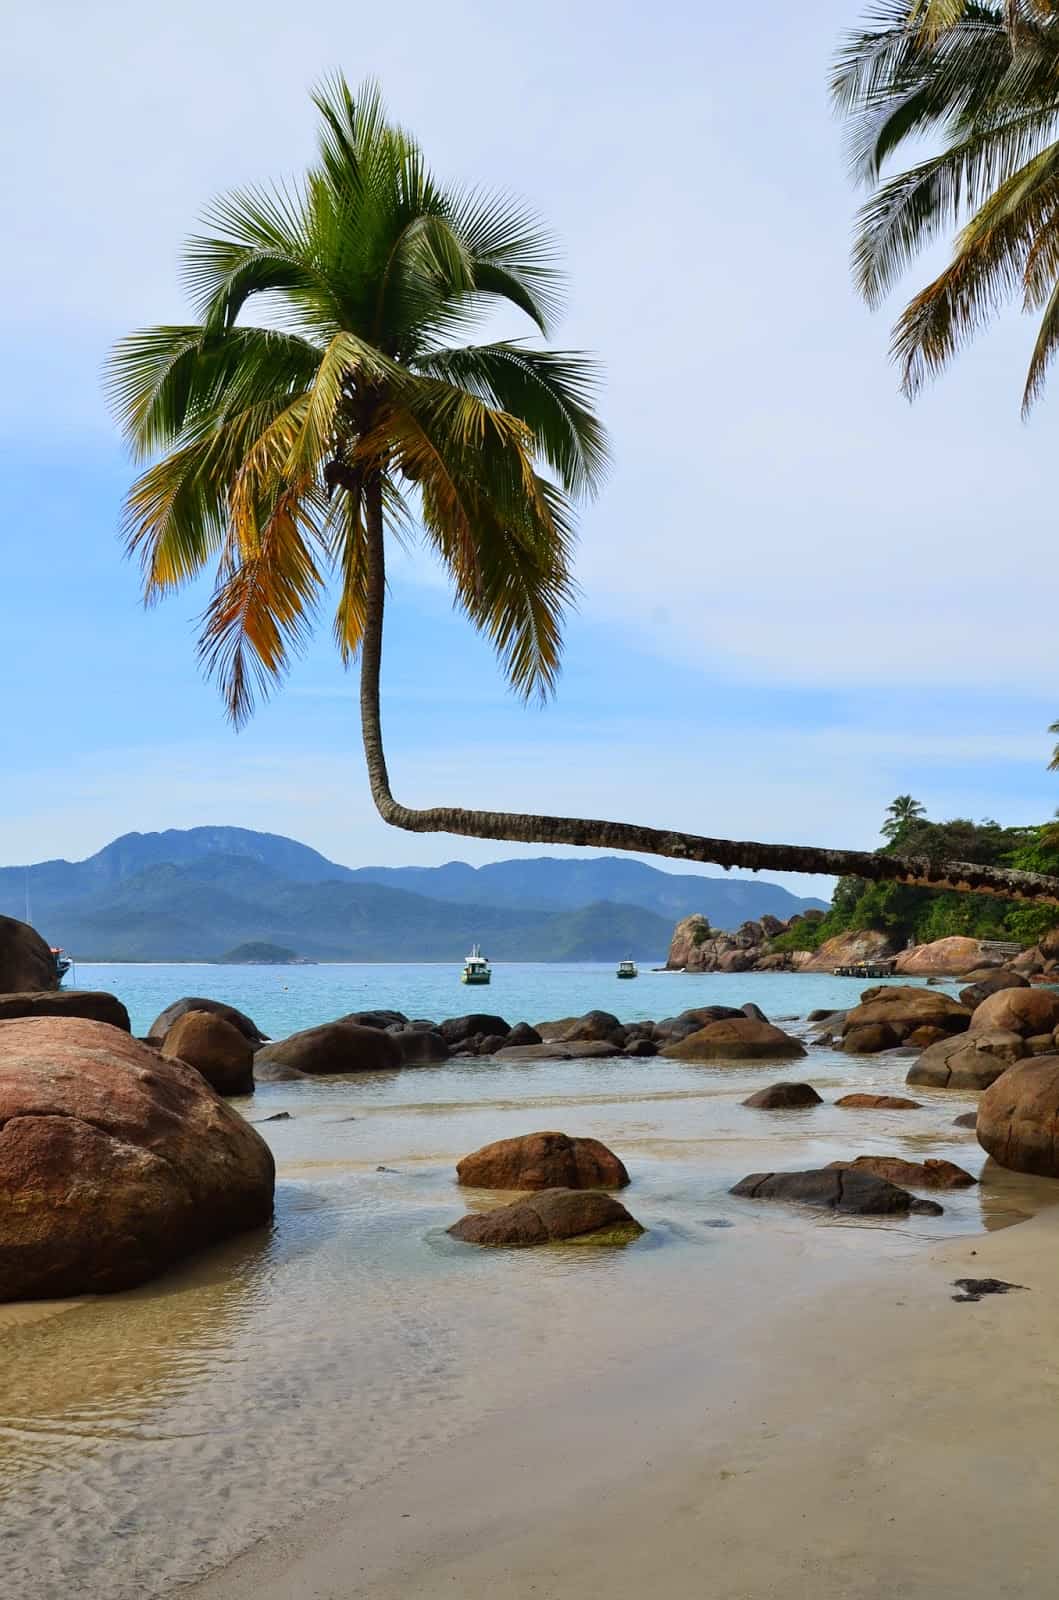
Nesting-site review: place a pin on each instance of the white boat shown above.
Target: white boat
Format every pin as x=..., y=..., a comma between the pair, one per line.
x=476, y=968
x=628, y=969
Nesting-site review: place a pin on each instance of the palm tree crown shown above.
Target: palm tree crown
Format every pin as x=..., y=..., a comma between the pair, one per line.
x=900, y=816
x=981, y=77
x=284, y=448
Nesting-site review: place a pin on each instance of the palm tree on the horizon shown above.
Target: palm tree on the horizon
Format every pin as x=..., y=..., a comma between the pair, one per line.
x=289, y=452
x=901, y=814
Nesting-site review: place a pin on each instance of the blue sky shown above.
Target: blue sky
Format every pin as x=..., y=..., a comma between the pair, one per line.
x=801, y=595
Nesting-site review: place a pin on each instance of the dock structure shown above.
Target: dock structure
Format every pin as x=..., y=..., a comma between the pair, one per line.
x=867, y=969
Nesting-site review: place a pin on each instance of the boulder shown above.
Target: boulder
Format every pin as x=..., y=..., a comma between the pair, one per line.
x=1029, y=962
x=1040, y=1044
x=592, y=1027
x=851, y=1193
x=686, y=946
x=983, y=984
x=870, y=1039
x=542, y=1161
x=905, y=1007
x=878, y=1102
x=640, y=1047
x=736, y=1039
x=944, y=957
x=771, y=926
x=214, y=1047
x=846, y=949
x=925, y=1035
x=379, y=1019
x=754, y=1012
x=420, y=1047
x=586, y=1050
x=784, y=1097
x=1023, y=1011
x=738, y=960
x=1018, y=1117
x=555, y=1214
x=1048, y=944
x=90, y=1005
x=929, y=1174
x=162, y=1024
x=114, y=1161
x=969, y=1061
x=26, y=962
x=488, y=1046
x=455, y=1029
x=331, y=1048
x=523, y=1033
x=966, y=1119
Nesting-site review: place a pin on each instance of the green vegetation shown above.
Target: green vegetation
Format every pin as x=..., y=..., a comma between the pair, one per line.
x=926, y=914
x=259, y=953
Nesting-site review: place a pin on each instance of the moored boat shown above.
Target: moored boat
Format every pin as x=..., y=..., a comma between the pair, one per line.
x=628, y=969
x=476, y=968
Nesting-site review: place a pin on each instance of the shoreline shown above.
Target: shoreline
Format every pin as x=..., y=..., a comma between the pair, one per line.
x=873, y=1439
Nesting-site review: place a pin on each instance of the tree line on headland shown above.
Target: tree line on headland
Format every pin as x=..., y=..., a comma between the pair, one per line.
x=360, y=410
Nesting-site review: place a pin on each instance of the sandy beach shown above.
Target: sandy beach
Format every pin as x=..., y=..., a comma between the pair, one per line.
x=878, y=1440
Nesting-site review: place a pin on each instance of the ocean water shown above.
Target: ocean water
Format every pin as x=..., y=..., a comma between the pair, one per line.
x=148, y=1437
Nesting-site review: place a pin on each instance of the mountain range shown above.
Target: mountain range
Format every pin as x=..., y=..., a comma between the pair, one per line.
x=196, y=893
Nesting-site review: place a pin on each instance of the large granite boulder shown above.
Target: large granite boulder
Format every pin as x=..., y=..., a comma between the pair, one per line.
x=376, y=1019
x=932, y=1173
x=114, y=1162
x=1022, y=1011
x=736, y=1039
x=333, y=1047
x=89, y=1004
x=950, y=957
x=556, y=1214
x=1018, y=1117
x=582, y=1050
x=163, y=1022
x=690, y=936
x=454, y=1030
x=522, y=1033
x=420, y=1047
x=870, y=1038
x=878, y=1102
x=594, y=1025
x=968, y=1061
x=26, y=962
x=982, y=984
x=904, y=1007
x=851, y=1193
x=542, y=1161
x=214, y=1047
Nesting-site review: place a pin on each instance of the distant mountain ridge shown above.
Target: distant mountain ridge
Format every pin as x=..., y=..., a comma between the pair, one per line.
x=197, y=893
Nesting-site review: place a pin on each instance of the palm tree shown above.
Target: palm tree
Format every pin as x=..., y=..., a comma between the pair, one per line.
x=981, y=79
x=288, y=451
x=901, y=814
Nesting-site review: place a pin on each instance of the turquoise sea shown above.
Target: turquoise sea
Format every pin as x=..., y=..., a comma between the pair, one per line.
x=148, y=1437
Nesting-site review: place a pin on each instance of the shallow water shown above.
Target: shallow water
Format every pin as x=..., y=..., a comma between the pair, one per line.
x=145, y=1438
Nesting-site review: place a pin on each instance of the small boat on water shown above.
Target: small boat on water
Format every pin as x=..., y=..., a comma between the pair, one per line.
x=628, y=969
x=476, y=968
x=63, y=962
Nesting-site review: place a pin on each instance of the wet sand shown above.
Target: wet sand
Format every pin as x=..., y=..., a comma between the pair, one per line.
x=867, y=1441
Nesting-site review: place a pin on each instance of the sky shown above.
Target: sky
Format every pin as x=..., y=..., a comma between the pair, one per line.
x=801, y=595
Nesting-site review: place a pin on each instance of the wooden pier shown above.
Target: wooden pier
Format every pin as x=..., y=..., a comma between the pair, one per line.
x=867, y=969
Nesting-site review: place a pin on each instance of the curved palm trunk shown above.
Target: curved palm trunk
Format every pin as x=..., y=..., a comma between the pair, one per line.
x=514, y=827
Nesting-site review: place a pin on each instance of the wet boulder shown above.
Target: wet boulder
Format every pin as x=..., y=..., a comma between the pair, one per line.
x=585, y=1050
x=754, y=1012
x=1022, y=1011
x=333, y=1047
x=420, y=1047
x=1018, y=1117
x=905, y=1007
x=26, y=961
x=870, y=1039
x=542, y=1161
x=736, y=1039
x=115, y=1162
x=522, y=1033
x=379, y=1019
x=969, y=1061
x=878, y=1102
x=784, y=1097
x=555, y=1214
x=929, y=1174
x=854, y=1193
x=454, y=1030
x=89, y=1004
x=594, y=1026
x=162, y=1023
x=214, y=1047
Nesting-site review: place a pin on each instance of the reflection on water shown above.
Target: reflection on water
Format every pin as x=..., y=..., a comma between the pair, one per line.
x=147, y=1437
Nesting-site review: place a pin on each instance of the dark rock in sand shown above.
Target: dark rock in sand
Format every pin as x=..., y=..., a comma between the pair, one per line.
x=543, y=1161
x=974, y=1288
x=89, y=1004
x=851, y=1193
x=878, y=1102
x=114, y=1162
x=456, y=1029
x=162, y=1024
x=333, y=1047
x=26, y=962
x=784, y=1097
x=554, y=1214
x=929, y=1174
x=215, y=1048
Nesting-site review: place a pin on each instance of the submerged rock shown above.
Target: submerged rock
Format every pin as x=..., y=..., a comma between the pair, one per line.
x=555, y=1214
x=215, y=1048
x=851, y=1193
x=784, y=1097
x=89, y=1004
x=878, y=1102
x=587, y=1050
x=930, y=1174
x=114, y=1161
x=543, y=1161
